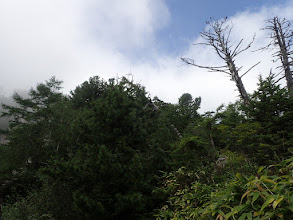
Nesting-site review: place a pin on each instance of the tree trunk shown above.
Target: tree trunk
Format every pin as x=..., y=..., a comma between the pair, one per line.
x=284, y=52
x=237, y=79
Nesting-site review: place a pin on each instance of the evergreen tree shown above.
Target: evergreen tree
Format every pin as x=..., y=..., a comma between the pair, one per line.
x=262, y=129
x=115, y=150
x=32, y=126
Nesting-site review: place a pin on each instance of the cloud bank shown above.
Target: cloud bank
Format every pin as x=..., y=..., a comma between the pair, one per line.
x=74, y=40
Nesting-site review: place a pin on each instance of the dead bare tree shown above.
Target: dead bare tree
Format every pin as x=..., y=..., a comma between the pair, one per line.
x=218, y=37
x=282, y=39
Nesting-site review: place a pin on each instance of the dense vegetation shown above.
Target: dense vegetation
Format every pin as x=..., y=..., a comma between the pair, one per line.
x=107, y=151
x=104, y=153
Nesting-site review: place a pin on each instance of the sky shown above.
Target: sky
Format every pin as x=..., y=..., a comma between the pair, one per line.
x=77, y=39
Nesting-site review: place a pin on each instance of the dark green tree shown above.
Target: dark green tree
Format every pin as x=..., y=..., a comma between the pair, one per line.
x=184, y=113
x=272, y=107
x=120, y=148
x=35, y=135
x=262, y=129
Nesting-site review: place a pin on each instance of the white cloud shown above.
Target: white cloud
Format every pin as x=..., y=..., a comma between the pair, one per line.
x=37, y=39
x=126, y=24
x=76, y=39
x=73, y=39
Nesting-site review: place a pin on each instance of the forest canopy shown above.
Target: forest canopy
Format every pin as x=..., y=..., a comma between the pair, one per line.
x=109, y=151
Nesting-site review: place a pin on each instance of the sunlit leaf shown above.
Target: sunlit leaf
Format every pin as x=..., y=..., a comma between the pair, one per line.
x=260, y=169
x=270, y=181
x=245, y=194
x=276, y=202
x=269, y=200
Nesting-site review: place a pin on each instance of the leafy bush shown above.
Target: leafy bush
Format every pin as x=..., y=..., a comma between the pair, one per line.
x=266, y=195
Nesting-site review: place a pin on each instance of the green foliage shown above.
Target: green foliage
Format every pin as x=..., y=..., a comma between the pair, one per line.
x=119, y=131
x=101, y=144
x=232, y=115
x=269, y=101
x=266, y=195
x=34, y=121
x=262, y=129
x=88, y=91
x=183, y=114
x=192, y=153
x=272, y=108
x=186, y=193
x=36, y=108
x=50, y=202
x=103, y=152
x=261, y=132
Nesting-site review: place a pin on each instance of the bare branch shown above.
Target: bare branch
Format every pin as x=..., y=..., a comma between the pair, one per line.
x=246, y=48
x=219, y=52
x=218, y=38
x=282, y=37
x=280, y=79
x=211, y=68
x=233, y=53
x=249, y=69
x=240, y=68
